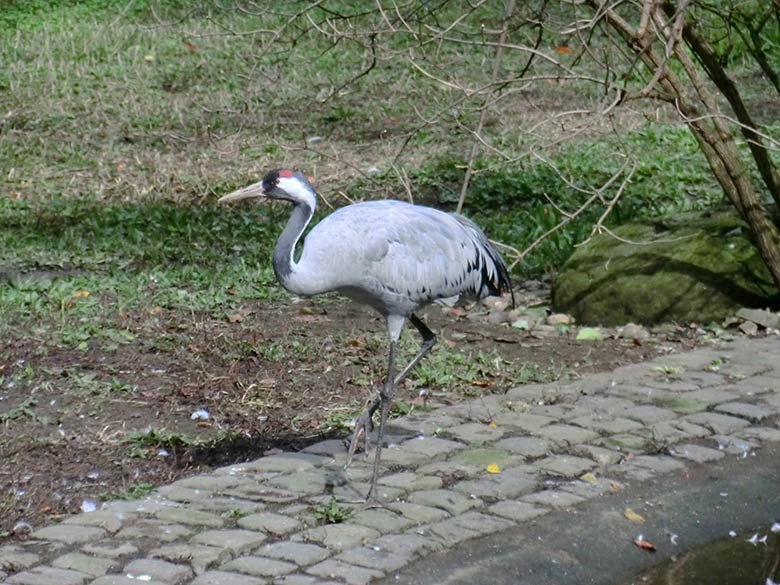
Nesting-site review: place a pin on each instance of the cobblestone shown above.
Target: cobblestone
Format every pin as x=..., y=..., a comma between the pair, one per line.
x=260, y=566
x=158, y=570
x=91, y=565
x=333, y=569
x=226, y=578
x=277, y=524
x=721, y=424
x=340, y=536
x=566, y=434
x=299, y=553
x=752, y=412
x=48, y=576
x=697, y=453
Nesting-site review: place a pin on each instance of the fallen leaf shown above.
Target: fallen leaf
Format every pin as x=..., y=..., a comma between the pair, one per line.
x=633, y=516
x=449, y=343
x=235, y=318
x=521, y=324
x=190, y=45
x=492, y=424
x=562, y=49
x=642, y=543
x=480, y=383
x=493, y=468
x=81, y=293
x=590, y=478
x=589, y=334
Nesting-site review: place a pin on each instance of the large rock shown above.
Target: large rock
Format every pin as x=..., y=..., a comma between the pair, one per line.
x=692, y=267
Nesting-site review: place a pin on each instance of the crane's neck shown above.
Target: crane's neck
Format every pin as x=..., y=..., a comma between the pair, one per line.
x=284, y=263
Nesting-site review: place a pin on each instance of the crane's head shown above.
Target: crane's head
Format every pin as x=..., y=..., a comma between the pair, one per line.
x=282, y=184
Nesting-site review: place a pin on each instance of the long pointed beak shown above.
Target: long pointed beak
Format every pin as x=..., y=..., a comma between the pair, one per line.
x=251, y=192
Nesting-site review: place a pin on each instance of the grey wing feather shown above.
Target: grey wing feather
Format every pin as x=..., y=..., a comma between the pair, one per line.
x=398, y=256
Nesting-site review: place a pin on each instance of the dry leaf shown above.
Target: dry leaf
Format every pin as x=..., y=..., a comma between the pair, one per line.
x=190, y=45
x=493, y=468
x=235, y=318
x=633, y=516
x=645, y=544
x=81, y=293
x=492, y=424
x=480, y=383
x=590, y=478
x=562, y=49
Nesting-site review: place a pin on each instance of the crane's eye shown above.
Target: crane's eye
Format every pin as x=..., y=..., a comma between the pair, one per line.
x=275, y=181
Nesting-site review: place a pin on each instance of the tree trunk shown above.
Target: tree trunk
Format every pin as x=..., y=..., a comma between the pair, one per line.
x=717, y=73
x=713, y=136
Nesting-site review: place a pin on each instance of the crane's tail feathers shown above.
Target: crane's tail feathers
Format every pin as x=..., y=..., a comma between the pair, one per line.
x=493, y=271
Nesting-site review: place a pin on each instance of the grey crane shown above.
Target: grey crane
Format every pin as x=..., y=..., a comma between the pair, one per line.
x=391, y=255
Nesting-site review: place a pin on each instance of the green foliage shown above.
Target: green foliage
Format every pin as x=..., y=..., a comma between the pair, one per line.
x=332, y=513
x=134, y=491
x=25, y=409
x=141, y=442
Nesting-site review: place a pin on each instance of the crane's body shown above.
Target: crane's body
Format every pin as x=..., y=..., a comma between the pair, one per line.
x=364, y=251
x=394, y=256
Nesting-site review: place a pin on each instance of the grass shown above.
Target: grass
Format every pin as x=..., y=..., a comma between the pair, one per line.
x=134, y=491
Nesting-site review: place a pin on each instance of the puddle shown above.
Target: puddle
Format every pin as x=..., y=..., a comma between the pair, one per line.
x=750, y=558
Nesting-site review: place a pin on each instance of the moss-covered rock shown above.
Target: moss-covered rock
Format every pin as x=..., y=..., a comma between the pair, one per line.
x=692, y=267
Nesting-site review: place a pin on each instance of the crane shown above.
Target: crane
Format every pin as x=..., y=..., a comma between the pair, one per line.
x=391, y=255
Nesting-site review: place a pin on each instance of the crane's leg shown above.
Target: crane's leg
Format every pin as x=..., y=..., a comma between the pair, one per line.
x=363, y=425
x=385, y=400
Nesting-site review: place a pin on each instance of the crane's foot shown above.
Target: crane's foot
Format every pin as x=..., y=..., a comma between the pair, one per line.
x=363, y=426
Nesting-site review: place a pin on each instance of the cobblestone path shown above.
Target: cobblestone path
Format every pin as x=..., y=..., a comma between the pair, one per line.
x=450, y=475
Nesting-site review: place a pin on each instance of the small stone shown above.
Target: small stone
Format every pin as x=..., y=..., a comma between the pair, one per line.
x=225, y=578
x=372, y=558
x=475, y=433
x=720, y=424
x=419, y=514
x=766, y=319
x=383, y=521
x=14, y=558
x=340, y=536
x=516, y=511
x=553, y=499
x=199, y=557
x=444, y=499
x=94, y=566
x=260, y=566
x=333, y=569
x=123, y=580
x=48, y=576
x=531, y=447
x=158, y=570
x=748, y=328
x=633, y=331
x=697, y=453
x=190, y=517
x=270, y=522
x=110, y=548
x=566, y=434
x=235, y=540
x=565, y=465
x=559, y=319
x=751, y=412
x=69, y=534
x=296, y=552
